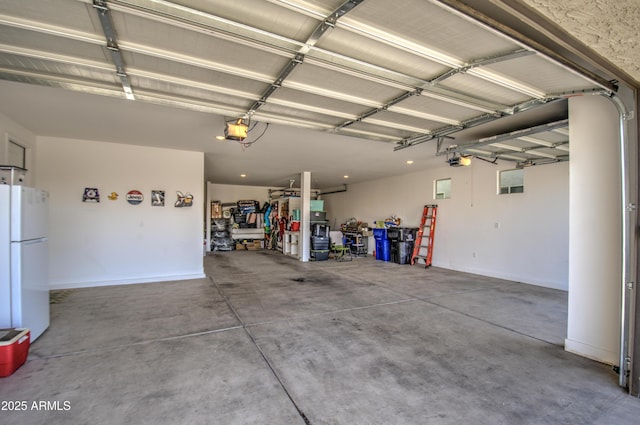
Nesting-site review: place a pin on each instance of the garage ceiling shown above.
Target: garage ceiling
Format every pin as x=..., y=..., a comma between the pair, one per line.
x=364, y=78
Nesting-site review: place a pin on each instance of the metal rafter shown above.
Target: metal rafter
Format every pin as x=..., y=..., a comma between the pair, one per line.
x=506, y=136
x=112, y=45
x=533, y=150
x=440, y=93
x=196, y=20
x=462, y=69
x=482, y=62
x=273, y=44
x=383, y=108
x=316, y=35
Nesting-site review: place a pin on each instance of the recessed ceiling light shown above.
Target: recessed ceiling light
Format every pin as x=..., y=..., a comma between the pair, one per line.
x=409, y=162
x=243, y=175
x=346, y=177
x=220, y=137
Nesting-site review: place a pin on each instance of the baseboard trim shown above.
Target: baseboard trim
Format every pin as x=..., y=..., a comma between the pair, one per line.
x=131, y=281
x=562, y=286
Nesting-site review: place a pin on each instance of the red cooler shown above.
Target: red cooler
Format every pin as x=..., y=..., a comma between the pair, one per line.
x=14, y=348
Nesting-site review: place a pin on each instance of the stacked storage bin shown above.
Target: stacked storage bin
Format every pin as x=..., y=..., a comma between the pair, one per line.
x=320, y=242
x=319, y=232
x=220, y=237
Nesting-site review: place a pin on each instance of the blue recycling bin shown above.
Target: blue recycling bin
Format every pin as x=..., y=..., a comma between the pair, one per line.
x=383, y=245
x=386, y=250
x=383, y=250
x=379, y=234
x=379, y=249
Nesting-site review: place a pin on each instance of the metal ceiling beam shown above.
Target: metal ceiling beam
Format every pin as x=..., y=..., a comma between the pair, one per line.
x=533, y=150
x=434, y=55
x=112, y=45
x=535, y=141
x=392, y=80
x=522, y=161
x=55, y=57
x=507, y=136
x=282, y=46
x=482, y=62
x=423, y=115
x=415, y=140
x=103, y=66
x=273, y=44
x=445, y=131
x=205, y=23
x=462, y=69
x=383, y=108
x=297, y=60
x=327, y=24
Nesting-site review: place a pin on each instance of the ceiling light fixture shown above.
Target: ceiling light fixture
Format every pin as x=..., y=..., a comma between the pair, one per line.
x=409, y=162
x=345, y=176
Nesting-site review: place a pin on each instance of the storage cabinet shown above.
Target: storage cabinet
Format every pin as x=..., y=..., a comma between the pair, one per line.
x=285, y=213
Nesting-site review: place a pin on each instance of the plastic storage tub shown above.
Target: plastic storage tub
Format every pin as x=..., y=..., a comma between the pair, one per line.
x=320, y=255
x=319, y=243
x=318, y=215
x=14, y=348
x=317, y=205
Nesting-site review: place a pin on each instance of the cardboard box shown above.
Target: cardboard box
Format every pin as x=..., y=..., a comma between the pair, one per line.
x=14, y=348
x=254, y=246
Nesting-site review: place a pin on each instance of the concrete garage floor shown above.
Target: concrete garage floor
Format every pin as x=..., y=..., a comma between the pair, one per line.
x=266, y=339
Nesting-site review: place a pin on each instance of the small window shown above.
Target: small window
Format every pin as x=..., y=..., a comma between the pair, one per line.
x=16, y=155
x=443, y=189
x=511, y=181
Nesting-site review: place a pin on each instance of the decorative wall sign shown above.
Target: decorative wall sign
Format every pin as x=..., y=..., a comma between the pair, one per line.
x=157, y=198
x=90, y=194
x=184, y=200
x=113, y=196
x=134, y=197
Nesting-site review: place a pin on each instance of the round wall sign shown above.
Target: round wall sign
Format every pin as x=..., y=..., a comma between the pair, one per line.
x=134, y=197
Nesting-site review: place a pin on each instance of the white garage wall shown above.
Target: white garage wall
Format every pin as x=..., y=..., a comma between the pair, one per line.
x=522, y=237
x=113, y=242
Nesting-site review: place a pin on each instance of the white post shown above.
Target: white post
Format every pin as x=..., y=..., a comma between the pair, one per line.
x=305, y=215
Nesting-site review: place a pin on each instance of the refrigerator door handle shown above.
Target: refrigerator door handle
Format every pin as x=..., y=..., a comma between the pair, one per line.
x=34, y=241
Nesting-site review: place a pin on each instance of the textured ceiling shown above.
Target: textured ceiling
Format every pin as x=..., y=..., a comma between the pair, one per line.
x=610, y=28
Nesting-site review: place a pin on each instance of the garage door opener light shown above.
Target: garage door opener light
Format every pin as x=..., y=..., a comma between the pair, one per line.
x=458, y=160
x=236, y=130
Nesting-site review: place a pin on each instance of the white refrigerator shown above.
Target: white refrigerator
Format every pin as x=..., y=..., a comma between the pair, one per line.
x=24, y=259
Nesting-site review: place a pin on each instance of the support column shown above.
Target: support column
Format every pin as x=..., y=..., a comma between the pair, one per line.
x=595, y=235
x=305, y=215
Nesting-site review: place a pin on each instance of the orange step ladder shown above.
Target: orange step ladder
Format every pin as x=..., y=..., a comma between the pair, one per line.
x=428, y=220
